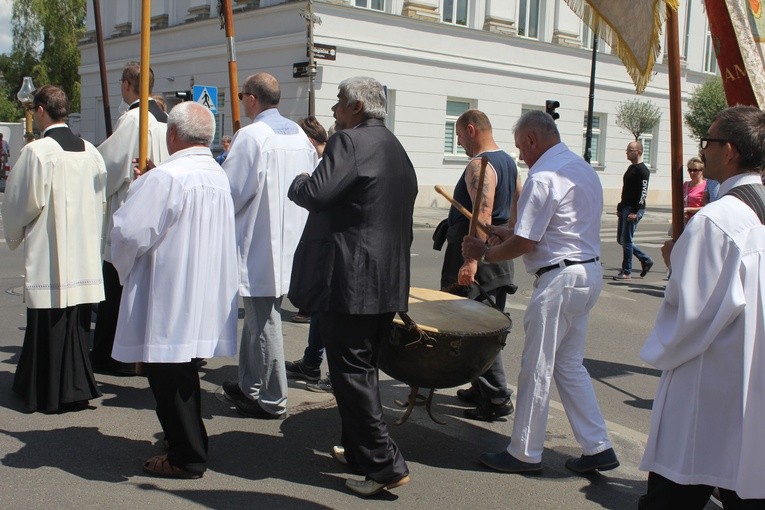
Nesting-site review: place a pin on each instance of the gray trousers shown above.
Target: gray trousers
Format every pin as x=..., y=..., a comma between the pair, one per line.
x=262, y=374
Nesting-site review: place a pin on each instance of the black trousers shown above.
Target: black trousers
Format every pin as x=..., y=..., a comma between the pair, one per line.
x=179, y=409
x=106, y=322
x=664, y=494
x=352, y=344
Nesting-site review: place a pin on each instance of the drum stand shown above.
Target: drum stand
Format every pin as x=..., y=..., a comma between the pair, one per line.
x=416, y=399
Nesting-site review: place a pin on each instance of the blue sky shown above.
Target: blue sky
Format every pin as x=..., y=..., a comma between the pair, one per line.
x=5, y=26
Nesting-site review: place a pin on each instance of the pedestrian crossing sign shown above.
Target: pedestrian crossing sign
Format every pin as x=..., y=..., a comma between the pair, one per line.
x=206, y=96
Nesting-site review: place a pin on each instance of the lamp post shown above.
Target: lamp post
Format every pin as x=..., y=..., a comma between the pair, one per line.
x=25, y=95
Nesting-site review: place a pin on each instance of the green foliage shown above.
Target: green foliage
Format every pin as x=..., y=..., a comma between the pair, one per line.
x=45, y=47
x=703, y=106
x=637, y=116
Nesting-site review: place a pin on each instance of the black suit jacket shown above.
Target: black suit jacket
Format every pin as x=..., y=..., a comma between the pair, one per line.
x=353, y=256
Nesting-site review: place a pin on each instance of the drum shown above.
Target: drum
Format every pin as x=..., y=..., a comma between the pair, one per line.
x=452, y=341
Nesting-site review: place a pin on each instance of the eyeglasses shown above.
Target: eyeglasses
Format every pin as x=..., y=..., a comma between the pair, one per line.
x=32, y=107
x=242, y=94
x=704, y=142
x=695, y=169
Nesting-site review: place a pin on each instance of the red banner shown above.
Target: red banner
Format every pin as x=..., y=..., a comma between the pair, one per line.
x=733, y=39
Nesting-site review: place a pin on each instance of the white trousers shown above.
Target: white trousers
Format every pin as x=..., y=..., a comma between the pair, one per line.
x=262, y=375
x=555, y=325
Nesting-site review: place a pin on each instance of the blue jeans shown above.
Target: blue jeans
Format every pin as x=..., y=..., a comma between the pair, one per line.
x=625, y=233
x=314, y=353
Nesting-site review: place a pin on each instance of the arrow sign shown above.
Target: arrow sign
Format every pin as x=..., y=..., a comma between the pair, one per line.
x=207, y=96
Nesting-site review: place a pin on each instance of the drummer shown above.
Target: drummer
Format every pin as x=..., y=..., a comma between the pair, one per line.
x=500, y=199
x=558, y=234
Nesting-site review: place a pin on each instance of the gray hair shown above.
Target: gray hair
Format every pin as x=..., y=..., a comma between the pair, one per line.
x=539, y=122
x=193, y=123
x=367, y=90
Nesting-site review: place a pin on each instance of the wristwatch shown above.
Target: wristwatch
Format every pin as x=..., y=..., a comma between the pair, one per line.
x=485, y=252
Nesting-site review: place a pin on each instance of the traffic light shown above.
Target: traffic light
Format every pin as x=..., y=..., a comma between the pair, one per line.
x=184, y=95
x=550, y=106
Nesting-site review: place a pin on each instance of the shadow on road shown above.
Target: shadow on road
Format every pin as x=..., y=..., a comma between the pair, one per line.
x=603, y=370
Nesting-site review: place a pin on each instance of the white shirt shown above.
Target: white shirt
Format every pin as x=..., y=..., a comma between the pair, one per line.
x=709, y=339
x=119, y=151
x=560, y=207
x=54, y=201
x=174, y=247
x=263, y=160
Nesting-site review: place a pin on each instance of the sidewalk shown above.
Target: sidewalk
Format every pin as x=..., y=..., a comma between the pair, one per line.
x=429, y=217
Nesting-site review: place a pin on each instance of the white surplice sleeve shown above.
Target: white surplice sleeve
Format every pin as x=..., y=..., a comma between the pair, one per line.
x=24, y=196
x=706, y=262
x=152, y=206
x=243, y=168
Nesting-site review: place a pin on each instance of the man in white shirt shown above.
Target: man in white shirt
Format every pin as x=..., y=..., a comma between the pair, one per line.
x=264, y=159
x=709, y=337
x=118, y=152
x=174, y=247
x=54, y=203
x=558, y=234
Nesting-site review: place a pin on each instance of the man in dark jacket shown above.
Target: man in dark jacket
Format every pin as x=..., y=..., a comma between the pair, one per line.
x=352, y=268
x=631, y=209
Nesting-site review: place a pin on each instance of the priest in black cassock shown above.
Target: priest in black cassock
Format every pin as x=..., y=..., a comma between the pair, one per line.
x=54, y=202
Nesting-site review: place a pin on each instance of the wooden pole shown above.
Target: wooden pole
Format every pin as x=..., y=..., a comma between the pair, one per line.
x=675, y=123
x=461, y=208
x=102, y=67
x=233, y=85
x=143, y=106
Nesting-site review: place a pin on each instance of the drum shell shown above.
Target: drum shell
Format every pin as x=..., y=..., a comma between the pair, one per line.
x=453, y=360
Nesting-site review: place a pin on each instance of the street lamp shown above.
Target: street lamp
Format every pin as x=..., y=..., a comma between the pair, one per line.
x=25, y=95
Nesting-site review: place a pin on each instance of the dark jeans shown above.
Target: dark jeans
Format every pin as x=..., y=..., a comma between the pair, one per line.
x=625, y=233
x=493, y=383
x=664, y=494
x=314, y=352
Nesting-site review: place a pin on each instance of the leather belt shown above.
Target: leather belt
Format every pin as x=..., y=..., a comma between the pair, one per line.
x=564, y=263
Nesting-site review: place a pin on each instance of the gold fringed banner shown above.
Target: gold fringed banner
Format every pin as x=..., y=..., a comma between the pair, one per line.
x=631, y=27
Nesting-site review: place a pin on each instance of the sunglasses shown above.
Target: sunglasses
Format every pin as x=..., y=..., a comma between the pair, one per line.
x=695, y=169
x=242, y=94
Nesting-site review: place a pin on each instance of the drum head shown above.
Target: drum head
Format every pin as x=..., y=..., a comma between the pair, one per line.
x=441, y=312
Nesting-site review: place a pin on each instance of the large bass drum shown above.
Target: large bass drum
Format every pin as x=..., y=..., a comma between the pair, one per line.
x=452, y=341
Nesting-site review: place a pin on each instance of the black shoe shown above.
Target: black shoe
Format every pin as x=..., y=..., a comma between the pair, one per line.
x=470, y=395
x=489, y=411
x=506, y=463
x=646, y=267
x=299, y=370
x=602, y=461
x=251, y=409
x=233, y=392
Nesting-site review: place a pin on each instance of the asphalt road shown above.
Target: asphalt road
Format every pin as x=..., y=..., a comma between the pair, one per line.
x=92, y=459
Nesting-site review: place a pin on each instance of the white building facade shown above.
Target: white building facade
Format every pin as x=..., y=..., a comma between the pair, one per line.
x=435, y=57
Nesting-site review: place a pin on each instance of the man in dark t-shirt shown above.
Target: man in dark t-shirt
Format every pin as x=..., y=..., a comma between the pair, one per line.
x=630, y=210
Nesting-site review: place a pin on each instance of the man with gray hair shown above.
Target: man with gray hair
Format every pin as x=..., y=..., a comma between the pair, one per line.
x=264, y=158
x=174, y=247
x=558, y=234
x=352, y=270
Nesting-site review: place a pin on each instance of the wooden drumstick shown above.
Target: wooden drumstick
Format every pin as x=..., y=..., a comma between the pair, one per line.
x=467, y=214
x=478, y=198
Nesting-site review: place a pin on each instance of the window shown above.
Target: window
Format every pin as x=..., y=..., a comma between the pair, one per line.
x=375, y=5
x=710, y=57
x=455, y=12
x=454, y=108
x=648, y=153
x=528, y=18
x=595, y=144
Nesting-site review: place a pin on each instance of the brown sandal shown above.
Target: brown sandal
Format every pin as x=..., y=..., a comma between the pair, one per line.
x=161, y=467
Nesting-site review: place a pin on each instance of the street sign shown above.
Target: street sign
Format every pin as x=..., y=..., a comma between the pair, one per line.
x=323, y=51
x=300, y=70
x=206, y=96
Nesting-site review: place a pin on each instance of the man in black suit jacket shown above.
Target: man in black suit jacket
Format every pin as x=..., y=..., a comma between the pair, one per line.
x=352, y=268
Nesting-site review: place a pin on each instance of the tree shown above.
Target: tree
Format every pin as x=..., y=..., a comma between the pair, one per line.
x=637, y=116
x=703, y=106
x=45, y=46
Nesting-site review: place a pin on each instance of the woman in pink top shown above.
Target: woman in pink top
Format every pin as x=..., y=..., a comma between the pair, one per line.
x=695, y=192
